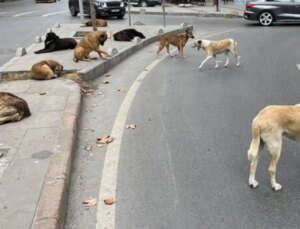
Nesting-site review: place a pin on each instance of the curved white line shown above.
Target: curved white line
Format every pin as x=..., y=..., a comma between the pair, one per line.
x=106, y=217
x=18, y=15
x=58, y=12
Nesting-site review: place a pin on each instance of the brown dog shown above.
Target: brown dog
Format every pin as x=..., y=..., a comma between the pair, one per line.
x=178, y=40
x=90, y=43
x=99, y=22
x=267, y=128
x=12, y=108
x=46, y=70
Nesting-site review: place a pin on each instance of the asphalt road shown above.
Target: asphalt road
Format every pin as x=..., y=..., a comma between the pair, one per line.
x=185, y=165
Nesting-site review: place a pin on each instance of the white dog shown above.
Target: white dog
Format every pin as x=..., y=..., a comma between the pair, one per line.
x=212, y=48
x=267, y=128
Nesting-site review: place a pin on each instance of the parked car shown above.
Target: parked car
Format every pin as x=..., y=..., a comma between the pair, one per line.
x=103, y=8
x=268, y=11
x=145, y=3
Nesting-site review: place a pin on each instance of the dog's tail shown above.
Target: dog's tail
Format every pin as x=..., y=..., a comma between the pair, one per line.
x=255, y=143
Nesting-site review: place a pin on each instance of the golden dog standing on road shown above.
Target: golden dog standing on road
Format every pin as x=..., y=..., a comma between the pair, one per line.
x=90, y=43
x=267, y=128
x=46, y=70
x=12, y=108
x=99, y=22
x=178, y=40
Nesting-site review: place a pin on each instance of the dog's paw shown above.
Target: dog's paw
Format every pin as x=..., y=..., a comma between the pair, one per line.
x=216, y=66
x=276, y=187
x=253, y=183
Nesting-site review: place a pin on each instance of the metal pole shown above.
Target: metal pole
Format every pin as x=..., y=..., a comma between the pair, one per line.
x=129, y=13
x=164, y=12
x=81, y=11
x=93, y=14
x=218, y=5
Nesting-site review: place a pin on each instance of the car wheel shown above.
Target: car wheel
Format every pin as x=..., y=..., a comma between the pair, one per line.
x=120, y=16
x=143, y=4
x=73, y=11
x=266, y=18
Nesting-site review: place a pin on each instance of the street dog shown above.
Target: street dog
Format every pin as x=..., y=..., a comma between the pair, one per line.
x=12, y=108
x=178, y=41
x=268, y=127
x=212, y=48
x=99, y=23
x=127, y=35
x=54, y=43
x=89, y=43
x=46, y=70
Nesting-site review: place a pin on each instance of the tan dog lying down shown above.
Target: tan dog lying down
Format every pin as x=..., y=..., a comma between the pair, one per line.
x=178, y=41
x=90, y=43
x=212, y=48
x=46, y=70
x=99, y=22
x=12, y=108
x=267, y=128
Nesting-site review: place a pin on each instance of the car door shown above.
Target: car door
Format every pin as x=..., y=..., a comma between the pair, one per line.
x=297, y=9
x=284, y=9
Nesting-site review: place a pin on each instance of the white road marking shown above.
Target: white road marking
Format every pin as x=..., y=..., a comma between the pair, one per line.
x=25, y=13
x=298, y=65
x=3, y=12
x=58, y=12
x=106, y=214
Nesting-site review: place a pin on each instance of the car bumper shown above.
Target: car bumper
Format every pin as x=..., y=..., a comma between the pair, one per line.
x=106, y=12
x=249, y=15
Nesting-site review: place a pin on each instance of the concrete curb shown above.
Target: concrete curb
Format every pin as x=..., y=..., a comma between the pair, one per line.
x=92, y=71
x=53, y=202
x=52, y=206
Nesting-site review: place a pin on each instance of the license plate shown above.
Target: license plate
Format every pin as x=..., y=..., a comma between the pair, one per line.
x=115, y=10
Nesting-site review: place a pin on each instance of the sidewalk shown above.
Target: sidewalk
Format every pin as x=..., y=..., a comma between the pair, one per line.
x=37, y=152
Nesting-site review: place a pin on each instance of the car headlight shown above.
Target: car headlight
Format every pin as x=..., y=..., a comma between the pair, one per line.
x=122, y=4
x=101, y=4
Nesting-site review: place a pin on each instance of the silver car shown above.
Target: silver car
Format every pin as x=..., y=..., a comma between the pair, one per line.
x=268, y=11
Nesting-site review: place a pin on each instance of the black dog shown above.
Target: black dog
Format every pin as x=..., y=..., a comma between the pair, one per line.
x=127, y=35
x=54, y=43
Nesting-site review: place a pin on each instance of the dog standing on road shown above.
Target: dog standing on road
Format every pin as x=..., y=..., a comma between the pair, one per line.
x=12, y=108
x=89, y=43
x=178, y=40
x=267, y=128
x=212, y=48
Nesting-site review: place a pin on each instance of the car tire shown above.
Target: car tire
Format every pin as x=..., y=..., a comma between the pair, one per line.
x=143, y=3
x=120, y=16
x=266, y=18
x=73, y=11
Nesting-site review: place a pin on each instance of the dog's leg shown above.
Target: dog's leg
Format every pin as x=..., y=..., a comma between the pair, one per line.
x=274, y=147
x=206, y=59
x=168, y=49
x=217, y=64
x=235, y=53
x=227, y=59
x=161, y=45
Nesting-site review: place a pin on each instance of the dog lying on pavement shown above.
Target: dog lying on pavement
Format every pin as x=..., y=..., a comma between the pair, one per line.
x=12, y=108
x=267, y=128
x=46, y=70
x=212, y=48
x=99, y=22
x=178, y=41
x=54, y=43
x=90, y=42
x=127, y=35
